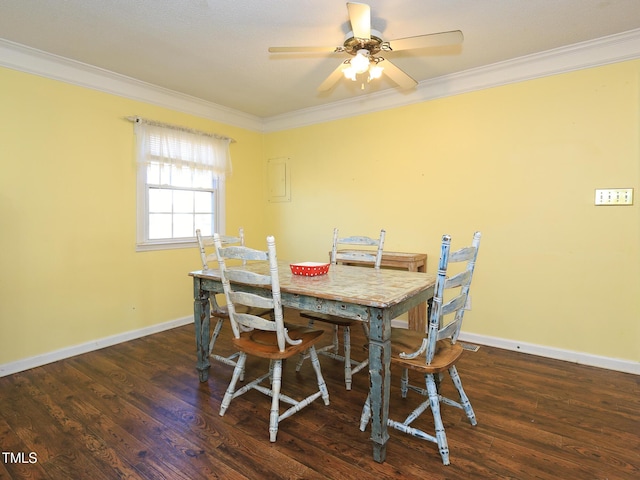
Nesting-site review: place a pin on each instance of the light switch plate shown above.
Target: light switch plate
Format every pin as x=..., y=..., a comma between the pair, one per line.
x=614, y=196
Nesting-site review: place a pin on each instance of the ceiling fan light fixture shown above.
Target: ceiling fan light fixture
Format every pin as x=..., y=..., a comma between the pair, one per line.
x=375, y=71
x=360, y=63
x=350, y=72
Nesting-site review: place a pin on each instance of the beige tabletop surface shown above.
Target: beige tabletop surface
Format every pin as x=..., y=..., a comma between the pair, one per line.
x=362, y=285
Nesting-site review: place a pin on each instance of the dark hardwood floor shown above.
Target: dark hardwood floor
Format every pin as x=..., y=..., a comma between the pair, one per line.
x=137, y=410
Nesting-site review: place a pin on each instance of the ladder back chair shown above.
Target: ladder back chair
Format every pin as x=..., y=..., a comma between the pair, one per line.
x=220, y=312
x=360, y=249
x=437, y=351
x=261, y=337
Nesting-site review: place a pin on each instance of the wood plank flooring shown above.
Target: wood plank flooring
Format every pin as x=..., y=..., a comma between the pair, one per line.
x=138, y=411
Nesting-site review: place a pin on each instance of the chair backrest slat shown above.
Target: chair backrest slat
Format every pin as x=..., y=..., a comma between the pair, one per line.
x=244, y=253
x=251, y=322
x=359, y=240
x=441, y=328
x=204, y=243
x=463, y=255
x=373, y=256
x=246, y=298
x=252, y=278
x=458, y=280
x=454, y=304
x=447, y=331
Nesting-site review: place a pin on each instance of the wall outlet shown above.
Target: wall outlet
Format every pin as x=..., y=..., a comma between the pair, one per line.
x=614, y=196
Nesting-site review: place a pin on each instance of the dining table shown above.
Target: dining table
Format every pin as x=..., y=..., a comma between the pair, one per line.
x=370, y=295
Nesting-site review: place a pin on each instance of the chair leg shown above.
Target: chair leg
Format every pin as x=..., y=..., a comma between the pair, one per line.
x=332, y=350
x=347, y=356
x=333, y=347
x=322, y=386
x=464, y=400
x=304, y=355
x=214, y=337
x=434, y=400
x=404, y=382
x=271, y=367
x=301, y=358
x=276, y=383
x=366, y=414
x=237, y=371
x=365, y=329
x=216, y=332
x=334, y=340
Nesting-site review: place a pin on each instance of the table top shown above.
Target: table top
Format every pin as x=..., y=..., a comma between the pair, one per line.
x=352, y=284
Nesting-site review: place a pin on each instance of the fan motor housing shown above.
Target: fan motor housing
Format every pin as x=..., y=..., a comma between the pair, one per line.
x=373, y=44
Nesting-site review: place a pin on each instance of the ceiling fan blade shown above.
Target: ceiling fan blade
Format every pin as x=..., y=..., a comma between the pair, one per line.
x=303, y=49
x=332, y=79
x=425, y=41
x=394, y=73
x=360, y=18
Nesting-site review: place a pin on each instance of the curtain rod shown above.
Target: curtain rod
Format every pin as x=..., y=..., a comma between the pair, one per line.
x=137, y=119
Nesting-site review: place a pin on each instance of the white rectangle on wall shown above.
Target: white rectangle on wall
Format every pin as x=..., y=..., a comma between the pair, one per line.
x=278, y=180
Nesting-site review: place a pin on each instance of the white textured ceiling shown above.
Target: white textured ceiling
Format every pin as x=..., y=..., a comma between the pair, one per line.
x=216, y=50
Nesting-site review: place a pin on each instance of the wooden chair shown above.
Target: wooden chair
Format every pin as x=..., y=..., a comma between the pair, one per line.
x=220, y=312
x=372, y=257
x=260, y=337
x=436, y=352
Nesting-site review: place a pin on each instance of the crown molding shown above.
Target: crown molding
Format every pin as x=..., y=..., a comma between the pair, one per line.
x=603, y=51
x=606, y=50
x=30, y=60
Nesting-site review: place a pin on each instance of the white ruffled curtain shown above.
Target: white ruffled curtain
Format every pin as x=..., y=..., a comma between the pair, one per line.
x=182, y=148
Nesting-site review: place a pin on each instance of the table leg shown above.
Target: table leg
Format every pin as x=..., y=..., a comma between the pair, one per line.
x=380, y=381
x=201, y=318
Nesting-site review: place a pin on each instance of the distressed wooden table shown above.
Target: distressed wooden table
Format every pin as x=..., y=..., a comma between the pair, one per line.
x=414, y=262
x=361, y=293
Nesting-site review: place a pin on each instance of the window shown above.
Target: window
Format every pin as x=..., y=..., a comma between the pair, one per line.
x=181, y=176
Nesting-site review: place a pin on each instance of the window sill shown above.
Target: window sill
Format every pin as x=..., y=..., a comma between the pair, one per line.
x=153, y=246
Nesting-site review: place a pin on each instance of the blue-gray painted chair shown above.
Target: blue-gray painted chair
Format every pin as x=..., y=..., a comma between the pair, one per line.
x=360, y=250
x=261, y=337
x=437, y=352
x=219, y=312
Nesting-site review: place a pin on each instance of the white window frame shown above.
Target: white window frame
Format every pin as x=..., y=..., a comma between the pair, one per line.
x=186, y=149
x=143, y=243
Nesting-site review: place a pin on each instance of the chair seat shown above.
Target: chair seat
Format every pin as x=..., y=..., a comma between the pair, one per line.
x=264, y=344
x=409, y=341
x=335, y=320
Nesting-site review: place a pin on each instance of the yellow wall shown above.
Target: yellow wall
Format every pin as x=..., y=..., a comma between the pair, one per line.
x=69, y=270
x=519, y=162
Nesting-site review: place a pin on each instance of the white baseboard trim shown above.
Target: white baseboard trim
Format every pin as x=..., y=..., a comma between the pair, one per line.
x=609, y=363
x=39, y=360
x=581, y=358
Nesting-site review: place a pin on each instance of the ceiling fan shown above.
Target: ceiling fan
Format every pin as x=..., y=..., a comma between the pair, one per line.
x=364, y=44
